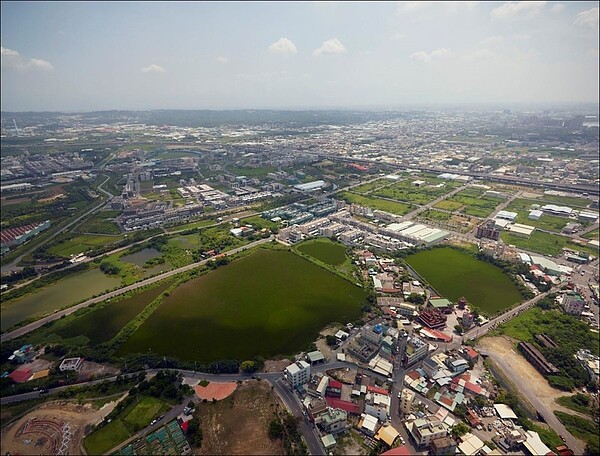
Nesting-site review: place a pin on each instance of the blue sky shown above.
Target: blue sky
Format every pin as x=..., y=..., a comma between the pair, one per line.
x=117, y=55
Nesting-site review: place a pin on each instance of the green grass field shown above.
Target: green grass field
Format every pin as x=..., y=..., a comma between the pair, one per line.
x=455, y=274
x=98, y=223
x=324, y=250
x=268, y=303
x=103, y=323
x=376, y=203
x=594, y=234
x=106, y=438
x=143, y=412
x=475, y=203
x=82, y=243
x=448, y=205
x=544, y=243
x=432, y=214
x=407, y=192
x=366, y=188
x=581, y=428
x=260, y=173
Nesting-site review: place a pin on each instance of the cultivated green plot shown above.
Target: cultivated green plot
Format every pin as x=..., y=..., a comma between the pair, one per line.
x=268, y=303
x=376, y=203
x=103, y=323
x=448, y=205
x=142, y=412
x=474, y=202
x=544, y=243
x=324, y=250
x=106, y=438
x=80, y=244
x=53, y=297
x=455, y=274
x=406, y=191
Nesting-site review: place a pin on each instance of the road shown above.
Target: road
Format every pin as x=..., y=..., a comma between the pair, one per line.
x=528, y=391
x=59, y=314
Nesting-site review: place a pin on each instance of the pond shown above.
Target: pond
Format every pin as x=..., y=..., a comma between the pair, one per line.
x=53, y=297
x=140, y=258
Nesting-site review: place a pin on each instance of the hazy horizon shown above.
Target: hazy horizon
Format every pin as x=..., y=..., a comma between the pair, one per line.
x=136, y=56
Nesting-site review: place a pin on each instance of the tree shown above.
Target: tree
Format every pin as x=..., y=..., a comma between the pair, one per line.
x=416, y=298
x=275, y=429
x=459, y=429
x=248, y=367
x=331, y=340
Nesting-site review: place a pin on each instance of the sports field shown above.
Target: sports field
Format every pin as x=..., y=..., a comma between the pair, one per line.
x=324, y=250
x=455, y=274
x=268, y=303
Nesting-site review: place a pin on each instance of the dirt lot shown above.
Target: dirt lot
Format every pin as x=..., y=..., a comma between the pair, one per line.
x=321, y=343
x=51, y=426
x=524, y=372
x=90, y=370
x=276, y=365
x=239, y=424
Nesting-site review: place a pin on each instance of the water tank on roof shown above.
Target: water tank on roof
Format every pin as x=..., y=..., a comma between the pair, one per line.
x=378, y=328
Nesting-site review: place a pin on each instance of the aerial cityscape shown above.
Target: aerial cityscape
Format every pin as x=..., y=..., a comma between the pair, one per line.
x=233, y=228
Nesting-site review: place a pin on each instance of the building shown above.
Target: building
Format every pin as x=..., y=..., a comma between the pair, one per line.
x=315, y=357
x=406, y=400
x=310, y=186
x=414, y=351
x=573, y=304
x=373, y=334
x=298, y=373
x=506, y=215
x=535, y=357
x=519, y=229
x=570, y=228
x=332, y=421
x=535, y=214
x=488, y=230
x=441, y=304
x=424, y=431
x=443, y=446
x=23, y=355
x=563, y=211
x=432, y=318
x=368, y=424
x=71, y=364
x=378, y=405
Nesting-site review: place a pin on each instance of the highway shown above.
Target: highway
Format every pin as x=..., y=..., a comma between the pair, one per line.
x=59, y=314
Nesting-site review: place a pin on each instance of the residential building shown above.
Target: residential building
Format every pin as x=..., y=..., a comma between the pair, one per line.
x=406, y=400
x=378, y=405
x=332, y=421
x=24, y=354
x=424, y=431
x=488, y=230
x=298, y=373
x=414, y=351
x=573, y=304
x=443, y=446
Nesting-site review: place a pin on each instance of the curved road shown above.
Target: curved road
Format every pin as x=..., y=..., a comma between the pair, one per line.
x=59, y=314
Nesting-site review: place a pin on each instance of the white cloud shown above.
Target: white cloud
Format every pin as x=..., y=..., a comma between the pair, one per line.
x=154, y=68
x=492, y=40
x=332, y=46
x=222, y=59
x=283, y=46
x=12, y=59
x=587, y=18
x=557, y=8
x=6, y=52
x=428, y=10
x=512, y=10
x=438, y=54
x=41, y=64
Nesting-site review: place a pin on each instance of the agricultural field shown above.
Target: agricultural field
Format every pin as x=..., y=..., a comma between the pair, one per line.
x=371, y=186
x=277, y=294
x=448, y=205
x=432, y=214
x=135, y=417
x=100, y=223
x=544, y=243
x=81, y=244
x=324, y=250
x=405, y=191
x=375, y=203
x=594, y=234
x=50, y=298
x=102, y=322
x=192, y=225
x=455, y=274
x=566, y=201
x=259, y=173
x=474, y=202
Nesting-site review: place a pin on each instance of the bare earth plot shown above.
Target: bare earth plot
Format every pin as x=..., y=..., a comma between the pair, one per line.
x=53, y=428
x=214, y=390
x=522, y=372
x=239, y=424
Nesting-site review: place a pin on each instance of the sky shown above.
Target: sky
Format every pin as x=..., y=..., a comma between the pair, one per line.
x=85, y=56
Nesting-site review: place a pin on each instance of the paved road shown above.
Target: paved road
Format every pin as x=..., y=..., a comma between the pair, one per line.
x=56, y=315
x=529, y=392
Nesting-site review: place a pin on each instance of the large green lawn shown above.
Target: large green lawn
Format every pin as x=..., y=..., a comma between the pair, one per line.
x=142, y=412
x=82, y=243
x=103, y=323
x=324, y=250
x=544, y=243
x=268, y=303
x=455, y=274
x=106, y=438
x=376, y=203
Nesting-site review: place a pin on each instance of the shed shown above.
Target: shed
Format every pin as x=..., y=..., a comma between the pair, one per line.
x=505, y=412
x=328, y=441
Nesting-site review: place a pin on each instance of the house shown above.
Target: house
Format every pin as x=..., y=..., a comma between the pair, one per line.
x=297, y=373
x=424, y=431
x=441, y=304
x=387, y=434
x=406, y=400
x=315, y=357
x=24, y=354
x=368, y=424
x=573, y=303
x=457, y=365
x=332, y=421
x=334, y=389
x=414, y=351
x=378, y=405
x=443, y=446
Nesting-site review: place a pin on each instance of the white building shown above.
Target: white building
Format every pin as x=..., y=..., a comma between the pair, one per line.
x=406, y=400
x=378, y=405
x=298, y=373
x=506, y=215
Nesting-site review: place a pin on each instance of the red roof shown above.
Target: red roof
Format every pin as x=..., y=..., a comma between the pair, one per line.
x=439, y=335
x=413, y=375
x=335, y=384
x=472, y=353
x=184, y=426
x=374, y=389
x=398, y=451
x=21, y=375
x=349, y=407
